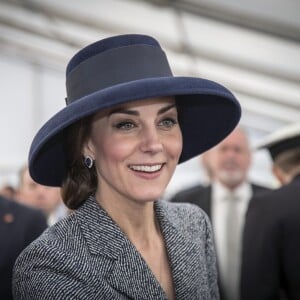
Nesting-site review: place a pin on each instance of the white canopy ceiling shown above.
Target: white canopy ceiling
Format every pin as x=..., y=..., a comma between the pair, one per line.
x=251, y=48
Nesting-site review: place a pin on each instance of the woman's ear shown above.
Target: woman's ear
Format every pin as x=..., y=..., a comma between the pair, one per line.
x=88, y=149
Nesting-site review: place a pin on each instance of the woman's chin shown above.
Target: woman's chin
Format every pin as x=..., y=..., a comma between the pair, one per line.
x=149, y=197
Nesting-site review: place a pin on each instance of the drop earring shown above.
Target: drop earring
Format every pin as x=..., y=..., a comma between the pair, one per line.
x=88, y=161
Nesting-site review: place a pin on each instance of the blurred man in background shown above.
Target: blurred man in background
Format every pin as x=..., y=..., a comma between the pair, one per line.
x=271, y=264
x=19, y=226
x=45, y=198
x=226, y=201
x=8, y=191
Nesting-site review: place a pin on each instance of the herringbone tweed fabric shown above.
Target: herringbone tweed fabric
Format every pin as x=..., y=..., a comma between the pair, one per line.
x=87, y=256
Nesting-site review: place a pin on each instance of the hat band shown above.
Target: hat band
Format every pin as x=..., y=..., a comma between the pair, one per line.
x=116, y=66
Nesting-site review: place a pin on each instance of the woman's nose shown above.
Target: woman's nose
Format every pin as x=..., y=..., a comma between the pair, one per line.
x=151, y=141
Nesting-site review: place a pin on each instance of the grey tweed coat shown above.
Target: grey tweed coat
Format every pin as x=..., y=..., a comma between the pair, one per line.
x=86, y=256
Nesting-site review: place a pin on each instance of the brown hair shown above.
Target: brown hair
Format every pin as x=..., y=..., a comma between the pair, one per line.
x=79, y=182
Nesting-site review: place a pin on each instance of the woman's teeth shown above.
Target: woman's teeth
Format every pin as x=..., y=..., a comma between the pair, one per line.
x=146, y=168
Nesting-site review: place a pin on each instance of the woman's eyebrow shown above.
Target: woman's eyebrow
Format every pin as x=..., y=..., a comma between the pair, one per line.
x=136, y=112
x=124, y=111
x=166, y=108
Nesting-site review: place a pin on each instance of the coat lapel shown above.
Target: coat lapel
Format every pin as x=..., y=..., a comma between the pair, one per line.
x=183, y=255
x=132, y=276
x=126, y=272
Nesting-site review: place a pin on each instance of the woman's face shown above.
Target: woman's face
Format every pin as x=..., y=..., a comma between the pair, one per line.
x=136, y=148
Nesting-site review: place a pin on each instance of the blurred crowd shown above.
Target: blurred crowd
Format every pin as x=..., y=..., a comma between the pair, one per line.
x=44, y=198
x=25, y=212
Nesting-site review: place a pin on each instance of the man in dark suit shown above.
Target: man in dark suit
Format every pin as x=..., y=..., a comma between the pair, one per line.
x=271, y=268
x=226, y=201
x=19, y=226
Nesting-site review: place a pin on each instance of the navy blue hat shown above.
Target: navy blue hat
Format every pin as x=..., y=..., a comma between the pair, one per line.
x=126, y=68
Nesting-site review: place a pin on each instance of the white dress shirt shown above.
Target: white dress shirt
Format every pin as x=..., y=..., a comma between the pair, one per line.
x=220, y=202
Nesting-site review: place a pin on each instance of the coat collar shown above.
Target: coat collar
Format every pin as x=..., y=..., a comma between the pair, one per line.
x=102, y=234
x=105, y=238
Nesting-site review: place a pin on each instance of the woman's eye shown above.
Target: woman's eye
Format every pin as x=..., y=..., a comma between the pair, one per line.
x=126, y=125
x=168, y=123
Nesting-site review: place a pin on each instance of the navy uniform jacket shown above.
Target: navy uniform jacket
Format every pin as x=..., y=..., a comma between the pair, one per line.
x=201, y=196
x=272, y=245
x=86, y=256
x=19, y=226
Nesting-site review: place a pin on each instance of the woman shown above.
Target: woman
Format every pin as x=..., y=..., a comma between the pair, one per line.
x=113, y=149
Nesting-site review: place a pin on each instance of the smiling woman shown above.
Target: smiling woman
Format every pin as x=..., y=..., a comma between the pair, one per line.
x=113, y=149
x=137, y=159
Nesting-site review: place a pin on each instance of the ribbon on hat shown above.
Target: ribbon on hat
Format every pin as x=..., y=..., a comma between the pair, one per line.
x=116, y=66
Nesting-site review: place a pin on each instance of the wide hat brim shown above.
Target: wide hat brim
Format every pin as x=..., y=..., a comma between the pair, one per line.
x=209, y=112
x=281, y=140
